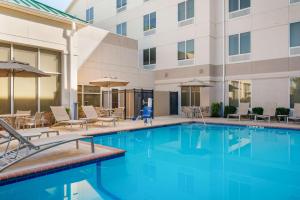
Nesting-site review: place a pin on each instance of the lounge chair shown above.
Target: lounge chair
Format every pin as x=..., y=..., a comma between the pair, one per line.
x=269, y=112
x=62, y=118
x=27, y=148
x=92, y=116
x=242, y=111
x=296, y=113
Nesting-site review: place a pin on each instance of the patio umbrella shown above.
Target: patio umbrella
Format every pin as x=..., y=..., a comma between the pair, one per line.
x=109, y=82
x=194, y=83
x=18, y=69
x=14, y=69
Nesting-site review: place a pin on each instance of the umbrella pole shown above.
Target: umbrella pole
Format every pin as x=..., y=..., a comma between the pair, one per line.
x=12, y=88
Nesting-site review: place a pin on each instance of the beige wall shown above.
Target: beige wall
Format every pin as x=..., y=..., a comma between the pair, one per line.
x=101, y=53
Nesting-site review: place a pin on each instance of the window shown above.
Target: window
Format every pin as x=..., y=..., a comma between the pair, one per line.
x=240, y=43
x=185, y=10
x=89, y=15
x=26, y=95
x=149, y=56
x=50, y=86
x=239, y=92
x=294, y=1
x=4, y=81
x=89, y=95
x=185, y=50
x=150, y=21
x=122, y=29
x=235, y=5
x=294, y=91
x=295, y=34
x=190, y=96
x=121, y=3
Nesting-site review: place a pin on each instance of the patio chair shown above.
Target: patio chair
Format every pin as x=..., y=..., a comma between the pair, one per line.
x=26, y=148
x=242, y=111
x=296, y=113
x=118, y=113
x=92, y=116
x=21, y=120
x=62, y=118
x=269, y=112
x=37, y=120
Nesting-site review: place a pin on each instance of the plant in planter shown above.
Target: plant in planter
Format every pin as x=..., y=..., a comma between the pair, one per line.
x=229, y=110
x=68, y=110
x=215, y=109
x=282, y=111
x=258, y=110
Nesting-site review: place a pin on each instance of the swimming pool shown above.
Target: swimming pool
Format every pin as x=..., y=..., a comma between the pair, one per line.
x=189, y=161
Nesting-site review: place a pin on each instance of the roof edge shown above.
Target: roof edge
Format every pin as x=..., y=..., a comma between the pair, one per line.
x=39, y=13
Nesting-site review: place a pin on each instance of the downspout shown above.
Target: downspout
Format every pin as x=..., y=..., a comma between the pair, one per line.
x=70, y=41
x=224, y=58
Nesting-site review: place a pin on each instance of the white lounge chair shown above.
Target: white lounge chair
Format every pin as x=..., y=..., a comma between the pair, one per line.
x=241, y=111
x=92, y=116
x=27, y=148
x=269, y=112
x=296, y=113
x=62, y=118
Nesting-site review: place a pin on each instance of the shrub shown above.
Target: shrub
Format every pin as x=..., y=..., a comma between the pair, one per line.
x=258, y=110
x=282, y=111
x=229, y=110
x=68, y=110
x=215, y=109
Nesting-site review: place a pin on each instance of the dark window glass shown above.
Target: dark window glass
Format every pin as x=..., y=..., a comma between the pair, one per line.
x=233, y=5
x=153, y=56
x=146, y=23
x=124, y=28
x=189, y=49
x=245, y=43
x=233, y=44
x=190, y=9
x=244, y=4
x=181, y=50
x=295, y=34
x=146, y=56
x=153, y=20
x=181, y=11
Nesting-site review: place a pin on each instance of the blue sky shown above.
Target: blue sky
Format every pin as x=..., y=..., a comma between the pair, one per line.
x=59, y=4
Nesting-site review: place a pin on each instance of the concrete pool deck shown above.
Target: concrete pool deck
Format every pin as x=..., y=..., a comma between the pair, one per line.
x=67, y=156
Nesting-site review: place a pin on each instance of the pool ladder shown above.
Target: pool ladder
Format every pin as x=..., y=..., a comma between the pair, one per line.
x=202, y=117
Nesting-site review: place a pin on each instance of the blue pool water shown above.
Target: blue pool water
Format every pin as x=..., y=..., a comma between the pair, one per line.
x=183, y=162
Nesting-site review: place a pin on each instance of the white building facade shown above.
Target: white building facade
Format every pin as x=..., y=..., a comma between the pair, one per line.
x=248, y=48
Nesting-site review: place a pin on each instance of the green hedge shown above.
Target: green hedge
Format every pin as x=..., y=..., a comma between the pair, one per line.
x=215, y=109
x=258, y=110
x=229, y=110
x=282, y=111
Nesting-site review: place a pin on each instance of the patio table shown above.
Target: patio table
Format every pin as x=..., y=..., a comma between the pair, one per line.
x=13, y=117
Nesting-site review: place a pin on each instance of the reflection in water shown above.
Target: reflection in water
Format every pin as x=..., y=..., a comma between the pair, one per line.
x=181, y=162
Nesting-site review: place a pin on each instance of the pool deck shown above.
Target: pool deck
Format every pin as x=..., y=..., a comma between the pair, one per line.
x=67, y=156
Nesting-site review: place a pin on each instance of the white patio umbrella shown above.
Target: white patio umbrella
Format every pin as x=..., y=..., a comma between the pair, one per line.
x=109, y=82
x=195, y=82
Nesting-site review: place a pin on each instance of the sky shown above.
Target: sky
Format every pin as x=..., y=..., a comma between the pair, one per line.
x=59, y=4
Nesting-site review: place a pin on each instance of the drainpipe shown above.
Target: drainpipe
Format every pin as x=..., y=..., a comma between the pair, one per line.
x=224, y=58
x=72, y=74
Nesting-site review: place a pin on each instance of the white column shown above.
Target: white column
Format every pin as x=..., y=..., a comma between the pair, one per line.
x=72, y=68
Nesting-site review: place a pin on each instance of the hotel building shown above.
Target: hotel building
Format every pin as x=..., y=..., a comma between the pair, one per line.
x=248, y=49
